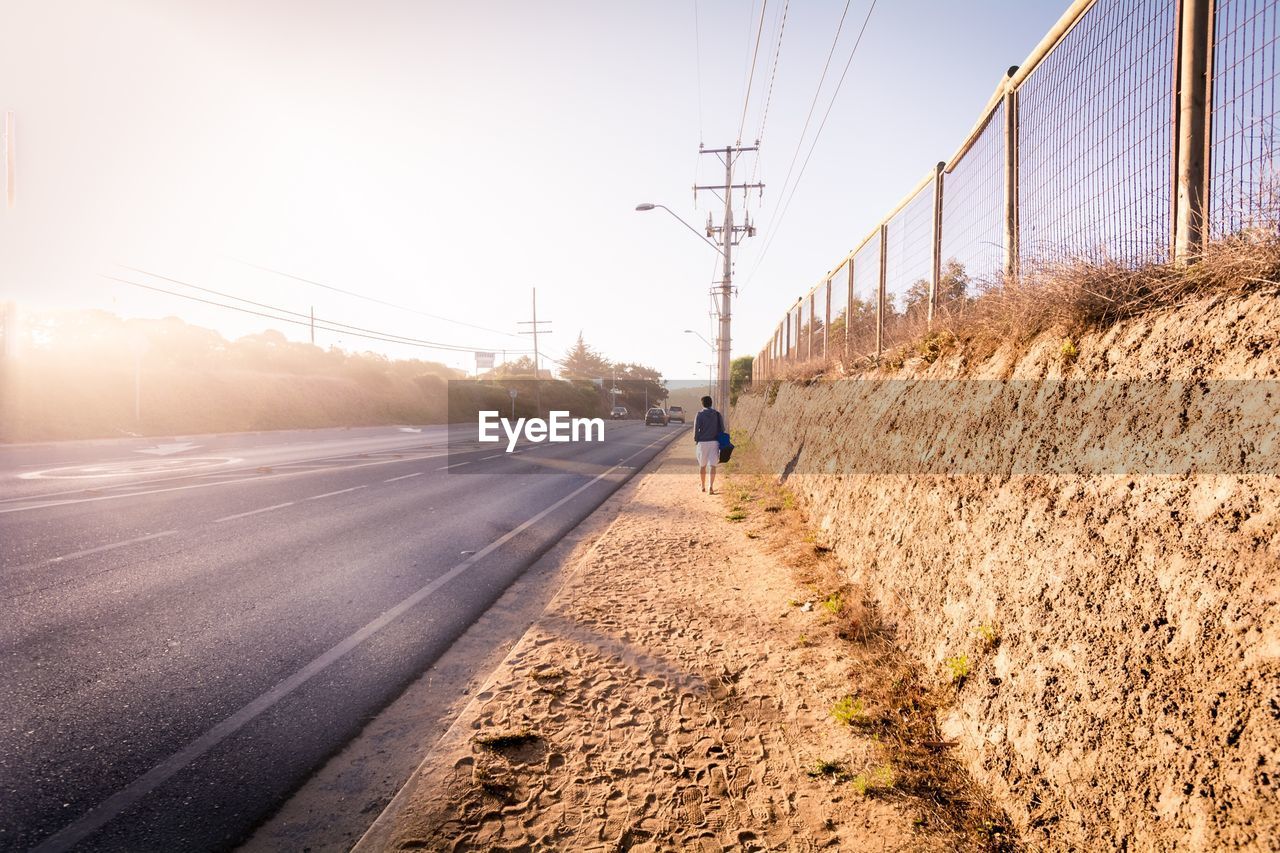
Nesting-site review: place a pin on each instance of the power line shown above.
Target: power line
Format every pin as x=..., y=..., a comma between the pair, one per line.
x=746, y=101
x=777, y=50
x=310, y=317
x=774, y=229
x=373, y=299
x=697, y=52
x=808, y=118
x=336, y=328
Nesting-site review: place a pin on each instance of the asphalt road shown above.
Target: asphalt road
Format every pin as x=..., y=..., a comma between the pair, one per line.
x=192, y=625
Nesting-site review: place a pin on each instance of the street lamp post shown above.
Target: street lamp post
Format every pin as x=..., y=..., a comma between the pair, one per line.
x=725, y=291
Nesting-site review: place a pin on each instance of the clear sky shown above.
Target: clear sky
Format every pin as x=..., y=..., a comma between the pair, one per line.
x=449, y=157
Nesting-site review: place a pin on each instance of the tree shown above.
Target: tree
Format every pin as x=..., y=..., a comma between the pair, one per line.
x=521, y=368
x=953, y=287
x=582, y=362
x=739, y=376
x=639, y=385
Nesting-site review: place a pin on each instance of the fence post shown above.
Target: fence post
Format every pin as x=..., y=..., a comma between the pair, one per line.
x=786, y=354
x=1191, y=130
x=826, y=327
x=1011, y=177
x=936, y=277
x=848, y=312
x=808, y=344
x=884, y=241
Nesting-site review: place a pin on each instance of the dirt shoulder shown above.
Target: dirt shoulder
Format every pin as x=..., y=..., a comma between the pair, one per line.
x=700, y=682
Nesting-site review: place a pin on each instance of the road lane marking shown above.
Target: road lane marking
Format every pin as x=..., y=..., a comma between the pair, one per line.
x=124, y=799
x=331, y=494
x=403, y=477
x=75, y=555
x=254, y=479
x=454, y=465
x=494, y=456
x=252, y=512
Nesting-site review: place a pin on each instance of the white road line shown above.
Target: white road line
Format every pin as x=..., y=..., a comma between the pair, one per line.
x=494, y=456
x=454, y=465
x=404, y=477
x=255, y=479
x=127, y=797
x=77, y=554
x=252, y=512
x=331, y=494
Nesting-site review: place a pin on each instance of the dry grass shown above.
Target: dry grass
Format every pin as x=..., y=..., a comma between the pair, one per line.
x=886, y=697
x=1067, y=299
x=1075, y=297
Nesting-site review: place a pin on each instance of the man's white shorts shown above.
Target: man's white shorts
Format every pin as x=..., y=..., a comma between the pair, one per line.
x=708, y=453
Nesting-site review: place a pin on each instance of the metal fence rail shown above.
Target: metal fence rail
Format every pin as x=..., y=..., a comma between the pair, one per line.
x=1134, y=131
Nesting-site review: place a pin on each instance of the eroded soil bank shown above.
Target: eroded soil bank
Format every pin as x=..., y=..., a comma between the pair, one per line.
x=1090, y=548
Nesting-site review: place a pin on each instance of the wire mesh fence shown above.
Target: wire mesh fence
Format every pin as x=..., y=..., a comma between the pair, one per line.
x=1095, y=139
x=1243, y=164
x=1107, y=145
x=866, y=294
x=838, y=291
x=973, y=200
x=908, y=268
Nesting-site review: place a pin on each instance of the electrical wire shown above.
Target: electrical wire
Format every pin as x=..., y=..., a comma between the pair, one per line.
x=775, y=227
x=319, y=323
x=746, y=100
x=345, y=326
x=777, y=51
x=697, y=52
x=374, y=299
x=813, y=104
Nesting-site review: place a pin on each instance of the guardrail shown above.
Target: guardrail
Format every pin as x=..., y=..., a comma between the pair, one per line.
x=1135, y=130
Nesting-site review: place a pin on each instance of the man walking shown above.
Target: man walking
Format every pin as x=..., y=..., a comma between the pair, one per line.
x=707, y=427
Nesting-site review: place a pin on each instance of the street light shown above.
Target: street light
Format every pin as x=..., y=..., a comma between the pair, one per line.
x=704, y=340
x=726, y=289
x=648, y=206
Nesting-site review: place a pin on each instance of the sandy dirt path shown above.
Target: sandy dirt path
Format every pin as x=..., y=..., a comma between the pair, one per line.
x=668, y=699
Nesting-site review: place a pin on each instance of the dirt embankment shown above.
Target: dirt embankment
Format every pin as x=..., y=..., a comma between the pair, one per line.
x=1084, y=535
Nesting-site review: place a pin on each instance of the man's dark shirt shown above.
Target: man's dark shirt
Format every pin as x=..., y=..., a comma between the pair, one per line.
x=707, y=426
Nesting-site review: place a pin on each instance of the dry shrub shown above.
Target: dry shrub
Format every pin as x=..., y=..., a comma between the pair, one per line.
x=1071, y=297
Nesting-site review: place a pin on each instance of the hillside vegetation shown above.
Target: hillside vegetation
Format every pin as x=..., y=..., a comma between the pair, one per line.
x=91, y=374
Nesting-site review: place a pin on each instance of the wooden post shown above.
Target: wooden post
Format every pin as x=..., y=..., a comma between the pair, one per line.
x=1191, y=127
x=884, y=239
x=826, y=327
x=848, y=313
x=1011, y=181
x=937, y=240
x=786, y=354
x=808, y=344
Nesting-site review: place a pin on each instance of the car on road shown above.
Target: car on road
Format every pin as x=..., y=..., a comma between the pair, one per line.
x=619, y=413
x=655, y=416
x=675, y=413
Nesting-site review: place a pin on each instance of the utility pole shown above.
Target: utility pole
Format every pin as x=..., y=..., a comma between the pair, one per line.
x=730, y=235
x=533, y=330
x=534, y=323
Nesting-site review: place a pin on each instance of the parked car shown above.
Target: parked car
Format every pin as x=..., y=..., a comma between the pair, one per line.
x=675, y=413
x=655, y=416
x=619, y=413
